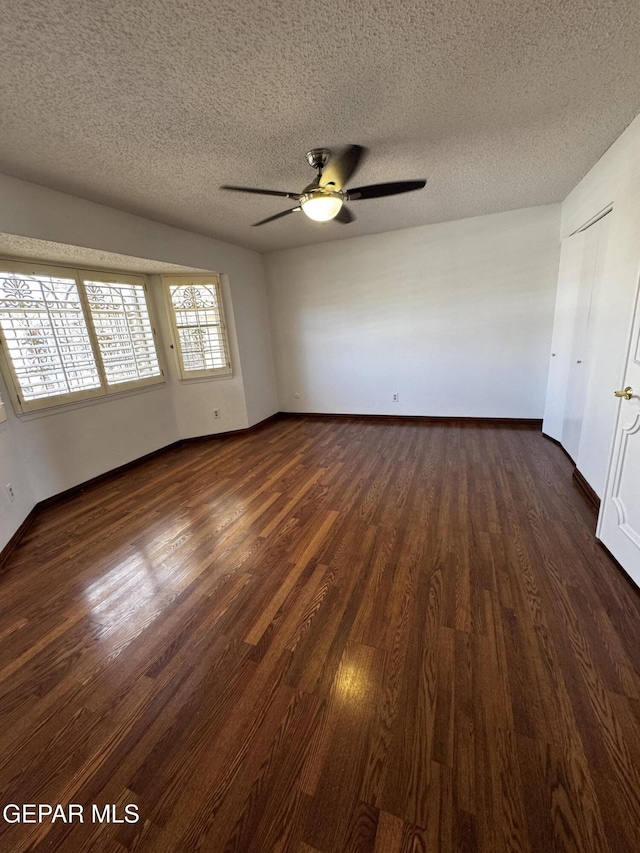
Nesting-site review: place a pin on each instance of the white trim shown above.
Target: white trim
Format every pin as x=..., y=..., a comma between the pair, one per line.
x=169, y=281
x=105, y=390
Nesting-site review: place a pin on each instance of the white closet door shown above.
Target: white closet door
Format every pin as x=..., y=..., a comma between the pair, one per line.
x=600, y=407
x=578, y=377
x=571, y=253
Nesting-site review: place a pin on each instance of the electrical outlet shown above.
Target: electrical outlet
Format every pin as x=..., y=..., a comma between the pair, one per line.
x=10, y=492
x=216, y=413
x=395, y=397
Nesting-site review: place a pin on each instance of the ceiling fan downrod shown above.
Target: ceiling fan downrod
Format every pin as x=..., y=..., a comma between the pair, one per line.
x=318, y=158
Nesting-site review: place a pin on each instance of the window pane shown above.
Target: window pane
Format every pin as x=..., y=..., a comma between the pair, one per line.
x=124, y=332
x=199, y=325
x=46, y=335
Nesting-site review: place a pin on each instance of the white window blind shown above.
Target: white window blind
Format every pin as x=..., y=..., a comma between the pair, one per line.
x=123, y=329
x=67, y=335
x=46, y=335
x=199, y=327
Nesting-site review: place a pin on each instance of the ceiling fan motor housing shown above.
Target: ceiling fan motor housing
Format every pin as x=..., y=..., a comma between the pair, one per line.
x=318, y=157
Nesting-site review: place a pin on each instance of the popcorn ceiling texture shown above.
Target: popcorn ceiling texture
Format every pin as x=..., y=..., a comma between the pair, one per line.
x=149, y=106
x=45, y=251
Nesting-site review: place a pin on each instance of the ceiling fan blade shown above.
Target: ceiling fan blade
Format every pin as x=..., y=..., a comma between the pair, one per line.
x=277, y=216
x=280, y=193
x=344, y=215
x=340, y=170
x=380, y=190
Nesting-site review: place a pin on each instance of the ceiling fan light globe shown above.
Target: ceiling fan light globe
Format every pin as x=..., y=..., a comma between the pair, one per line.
x=321, y=206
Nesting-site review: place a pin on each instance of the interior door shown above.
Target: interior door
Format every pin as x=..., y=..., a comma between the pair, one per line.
x=578, y=377
x=619, y=521
x=571, y=254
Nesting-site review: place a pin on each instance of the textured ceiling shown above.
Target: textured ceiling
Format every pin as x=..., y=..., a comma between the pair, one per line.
x=16, y=247
x=150, y=105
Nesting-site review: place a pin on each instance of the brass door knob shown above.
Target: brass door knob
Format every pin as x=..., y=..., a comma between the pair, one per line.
x=627, y=393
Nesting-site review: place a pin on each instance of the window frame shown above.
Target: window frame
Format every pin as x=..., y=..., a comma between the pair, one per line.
x=169, y=281
x=107, y=277
x=104, y=390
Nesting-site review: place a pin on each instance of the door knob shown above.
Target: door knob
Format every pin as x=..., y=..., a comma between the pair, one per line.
x=627, y=393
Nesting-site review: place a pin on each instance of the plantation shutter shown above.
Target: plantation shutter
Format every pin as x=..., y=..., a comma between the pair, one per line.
x=122, y=326
x=45, y=334
x=67, y=335
x=199, y=325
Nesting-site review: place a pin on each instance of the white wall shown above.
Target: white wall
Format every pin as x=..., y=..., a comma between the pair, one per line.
x=193, y=402
x=254, y=340
x=48, y=454
x=12, y=470
x=615, y=179
x=456, y=318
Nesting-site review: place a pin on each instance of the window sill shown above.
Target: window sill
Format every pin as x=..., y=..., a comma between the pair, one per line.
x=191, y=380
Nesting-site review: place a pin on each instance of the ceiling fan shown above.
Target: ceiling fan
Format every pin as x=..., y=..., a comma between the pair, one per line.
x=324, y=198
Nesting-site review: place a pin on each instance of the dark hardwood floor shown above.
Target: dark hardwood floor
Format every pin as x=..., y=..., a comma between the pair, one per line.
x=328, y=635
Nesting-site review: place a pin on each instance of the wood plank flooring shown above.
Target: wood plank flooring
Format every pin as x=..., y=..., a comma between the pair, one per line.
x=325, y=636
